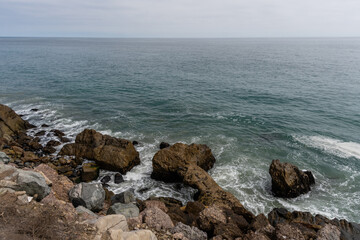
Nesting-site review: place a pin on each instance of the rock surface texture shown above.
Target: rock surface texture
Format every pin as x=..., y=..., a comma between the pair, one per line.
x=109, y=153
x=89, y=195
x=289, y=181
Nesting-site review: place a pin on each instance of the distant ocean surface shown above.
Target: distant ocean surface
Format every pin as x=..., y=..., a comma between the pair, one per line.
x=250, y=100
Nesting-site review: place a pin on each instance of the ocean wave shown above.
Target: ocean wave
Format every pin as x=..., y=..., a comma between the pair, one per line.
x=331, y=146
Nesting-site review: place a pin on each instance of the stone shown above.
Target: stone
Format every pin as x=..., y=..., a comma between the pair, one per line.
x=289, y=181
x=61, y=185
x=89, y=195
x=124, y=197
x=287, y=231
x=49, y=150
x=138, y=235
x=41, y=133
x=109, y=153
x=129, y=210
x=83, y=210
x=111, y=222
x=155, y=203
x=328, y=232
x=53, y=143
x=44, y=125
x=164, y=145
x=135, y=143
x=89, y=172
x=166, y=162
x=118, y=178
x=254, y=236
x=190, y=232
x=11, y=124
x=156, y=218
x=58, y=133
x=29, y=157
x=105, y=179
x=4, y=158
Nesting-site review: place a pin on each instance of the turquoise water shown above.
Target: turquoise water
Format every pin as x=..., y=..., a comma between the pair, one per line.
x=249, y=100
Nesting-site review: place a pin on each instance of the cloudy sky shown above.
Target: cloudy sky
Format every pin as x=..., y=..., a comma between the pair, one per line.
x=180, y=18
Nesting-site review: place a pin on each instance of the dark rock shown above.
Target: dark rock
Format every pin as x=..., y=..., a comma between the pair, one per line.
x=34, y=110
x=49, y=150
x=64, y=139
x=118, y=178
x=105, y=179
x=41, y=133
x=164, y=145
x=135, y=143
x=89, y=172
x=288, y=181
x=45, y=125
x=124, y=197
x=91, y=196
x=53, y=143
x=109, y=153
x=58, y=133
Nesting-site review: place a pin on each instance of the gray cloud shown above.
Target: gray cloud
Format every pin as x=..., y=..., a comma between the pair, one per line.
x=180, y=18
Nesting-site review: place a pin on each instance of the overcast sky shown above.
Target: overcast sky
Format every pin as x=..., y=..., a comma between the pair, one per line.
x=180, y=18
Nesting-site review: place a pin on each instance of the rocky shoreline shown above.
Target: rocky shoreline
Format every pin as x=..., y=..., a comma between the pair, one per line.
x=38, y=183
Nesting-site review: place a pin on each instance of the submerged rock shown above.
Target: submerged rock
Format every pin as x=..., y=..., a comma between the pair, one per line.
x=109, y=153
x=118, y=178
x=288, y=180
x=89, y=195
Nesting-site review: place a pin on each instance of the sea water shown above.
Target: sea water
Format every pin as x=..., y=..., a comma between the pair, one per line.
x=250, y=100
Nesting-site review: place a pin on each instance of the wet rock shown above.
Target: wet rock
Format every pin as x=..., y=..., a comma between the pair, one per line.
x=118, y=178
x=164, y=145
x=49, y=150
x=91, y=196
x=191, y=233
x=105, y=179
x=124, y=197
x=129, y=210
x=135, y=143
x=58, y=133
x=34, y=109
x=89, y=172
x=11, y=124
x=166, y=162
x=53, y=143
x=288, y=180
x=41, y=133
x=109, y=153
x=45, y=125
x=64, y=139
x=156, y=218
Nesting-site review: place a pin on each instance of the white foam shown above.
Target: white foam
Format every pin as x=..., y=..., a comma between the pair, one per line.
x=332, y=146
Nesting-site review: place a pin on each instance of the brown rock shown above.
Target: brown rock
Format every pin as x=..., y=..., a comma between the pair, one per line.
x=11, y=124
x=89, y=172
x=53, y=143
x=167, y=161
x=287, y=231
x=29, y=157
x=19, y=152
x=58, y=133
x=61, y=185
x=288, y=181
x=41, y=133
x=154, y=203
x=49, y=150
x=109, y=153
x=156, y=218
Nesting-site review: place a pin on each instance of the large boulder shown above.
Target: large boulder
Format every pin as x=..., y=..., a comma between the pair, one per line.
x=188, y=164
x=11, y=124
x=89, y=195
x=288, y=180
x=33, y=183
x=109, y=153
x=189, y=232
x=167, y=161
x=156, y=218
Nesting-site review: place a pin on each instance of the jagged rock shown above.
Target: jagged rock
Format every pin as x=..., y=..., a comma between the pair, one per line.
x=329, y=232
x=89, y=172
x=89, y=195
x=11, y=124
x=124, y=197
x=156, y=218
x=109, y=153
x=261, y=226
x=191, y=233
x=111, y=222
x=166, y=162
x=105, y=179
x=4, y=158
x=61, y=185
x=118, y=178
x=287, y=231
x=129, y=210
x=288, y=180
x=136, y=235
x=164, y=145
x=155, y=203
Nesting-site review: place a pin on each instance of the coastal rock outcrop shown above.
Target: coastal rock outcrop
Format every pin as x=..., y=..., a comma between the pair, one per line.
x=11, y=124
x=188, y=164
x=289, y=181
x=109, y=153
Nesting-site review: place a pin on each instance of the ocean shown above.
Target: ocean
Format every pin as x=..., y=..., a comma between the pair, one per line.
x=250, y=100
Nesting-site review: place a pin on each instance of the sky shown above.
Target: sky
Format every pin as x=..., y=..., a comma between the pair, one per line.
x=180, y=18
